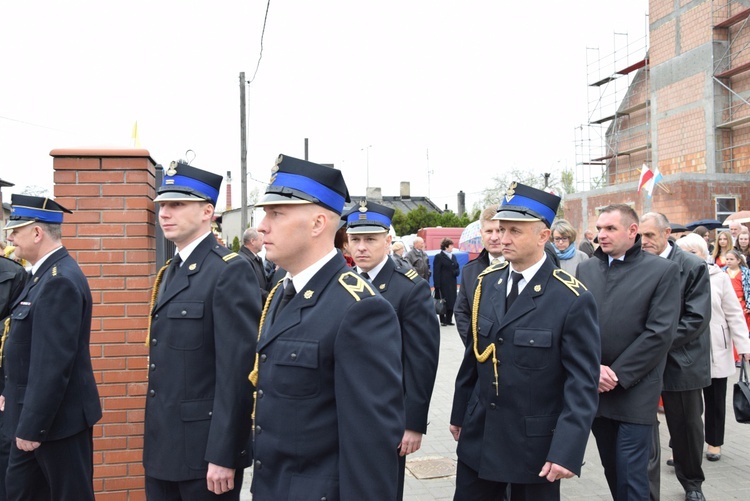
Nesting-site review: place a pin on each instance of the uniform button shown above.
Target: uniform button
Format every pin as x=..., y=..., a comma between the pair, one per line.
x=531, y=341
x=183, y=312
x=258, y=465
x=263, y=357
x=258, y=430
x=156, y=316
x=492, y=405
x=42, y=432
x=243, y=453
x=294, y=356
x=260, y=394
x=152, y=367
x=500, y=340
x=154, y=342
x=324, y=498
x=210, y=413
x=152, y=393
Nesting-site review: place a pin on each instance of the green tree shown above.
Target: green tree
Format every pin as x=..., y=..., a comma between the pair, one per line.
x=236, y=244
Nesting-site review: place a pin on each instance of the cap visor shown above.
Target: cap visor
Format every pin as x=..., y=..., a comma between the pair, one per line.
x=176, y=196
x=355, y=230
x=511, y=215
x=18, y=223
x=276, y=199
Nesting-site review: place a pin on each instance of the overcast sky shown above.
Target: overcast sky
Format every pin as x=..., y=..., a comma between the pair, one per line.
x=483, y=85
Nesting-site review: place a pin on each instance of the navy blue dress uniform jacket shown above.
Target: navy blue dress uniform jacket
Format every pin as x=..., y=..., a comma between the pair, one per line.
x=410, y=296
x=548, y=366
x=329, y=405
x=639, y=305
x=50, y=392
x=202, y=344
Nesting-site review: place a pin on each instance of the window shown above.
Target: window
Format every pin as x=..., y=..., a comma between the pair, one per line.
x=725, y=206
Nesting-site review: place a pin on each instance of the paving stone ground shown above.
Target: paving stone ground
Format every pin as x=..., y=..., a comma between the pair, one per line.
x=727, y=479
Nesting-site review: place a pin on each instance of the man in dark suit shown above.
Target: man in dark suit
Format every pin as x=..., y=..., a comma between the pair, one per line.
x=492, y=253
x=252, y=243
x=330, y=401
x=204, y=322
x=526, y=390
x=13, y=279
x=688, y=368
x=409, y=294
x=638, y=295
x=50, y=398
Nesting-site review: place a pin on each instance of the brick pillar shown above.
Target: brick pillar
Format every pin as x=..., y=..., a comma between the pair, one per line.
x=111, y=235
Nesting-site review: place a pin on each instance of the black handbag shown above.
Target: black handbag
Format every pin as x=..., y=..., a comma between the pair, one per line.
x=741, y=397
x=439, y=305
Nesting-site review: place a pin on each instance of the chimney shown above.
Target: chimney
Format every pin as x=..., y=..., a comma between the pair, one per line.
x=229, y=190
x=461, y=203
x=374, y=194
x=405, y=189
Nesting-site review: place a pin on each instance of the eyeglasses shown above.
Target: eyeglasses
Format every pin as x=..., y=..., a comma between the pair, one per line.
x=561, y=239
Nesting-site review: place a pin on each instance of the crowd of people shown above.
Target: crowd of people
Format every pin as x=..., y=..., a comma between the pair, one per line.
x=311, y=353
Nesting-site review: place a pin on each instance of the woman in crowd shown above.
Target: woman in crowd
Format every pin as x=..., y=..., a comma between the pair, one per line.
x=564, y=239
x=743, y=242
x=723, y=245
x=444, y=272
x=738, y=271
x=397, y=254
x=728, y=326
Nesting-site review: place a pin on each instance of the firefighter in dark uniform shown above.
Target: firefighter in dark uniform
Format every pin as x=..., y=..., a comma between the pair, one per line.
x=409, y=294
x=330, y=402
x=204, y=320
x=50, y=397
x=13, y=278
x=527, y=389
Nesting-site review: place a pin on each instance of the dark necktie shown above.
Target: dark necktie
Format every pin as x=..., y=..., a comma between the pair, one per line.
x=513, y=294
x=365, y=276
x=172, y=270
x=289, y=293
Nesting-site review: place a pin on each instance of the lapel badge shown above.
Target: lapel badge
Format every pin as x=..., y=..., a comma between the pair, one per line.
x=308, y=294
x=500, y=281
x=537, y=288
x=511, y=191
x=172, y=169
x=36, y=279
x=382, y=286
x=192, y=267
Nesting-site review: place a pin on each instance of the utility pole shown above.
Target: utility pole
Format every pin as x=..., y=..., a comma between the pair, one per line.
x=243, y=154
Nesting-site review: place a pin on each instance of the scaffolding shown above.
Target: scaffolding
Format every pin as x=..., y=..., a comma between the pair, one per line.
x=731, y=74
x=615, y=141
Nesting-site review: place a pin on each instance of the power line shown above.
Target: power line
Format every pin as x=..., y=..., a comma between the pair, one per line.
x=262, y=33
x=33, y=124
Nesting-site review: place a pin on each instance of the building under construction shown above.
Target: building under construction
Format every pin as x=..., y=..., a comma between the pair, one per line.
x=678, y=101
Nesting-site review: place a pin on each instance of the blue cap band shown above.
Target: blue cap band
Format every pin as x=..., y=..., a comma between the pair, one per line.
x=310, y=187
x=44, y=216
x=195, y=185
x=532, y=204
x=371, y=217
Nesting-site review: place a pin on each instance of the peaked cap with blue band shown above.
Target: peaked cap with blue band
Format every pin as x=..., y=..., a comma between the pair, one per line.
x=295, y=181
x=26, y=209
x=368, y=217
x=185, y=183
x=524, y=203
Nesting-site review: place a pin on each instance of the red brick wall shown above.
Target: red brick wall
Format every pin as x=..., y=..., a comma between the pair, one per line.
x=111, y=235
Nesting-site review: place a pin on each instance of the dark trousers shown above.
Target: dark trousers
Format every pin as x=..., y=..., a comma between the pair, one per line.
x=190, y=490
x=654, y=469
x=624, y=449
x=469, y=487
x=58, y=470
x=446, y=317
x=4, y=454
x=683, y=411
x=715, y=397
x=401, y=473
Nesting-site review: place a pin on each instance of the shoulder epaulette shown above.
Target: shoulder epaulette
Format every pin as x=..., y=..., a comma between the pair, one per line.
x=409, y=273
x=569, y=281
x=356, y=285
x=492, y=268
x=54, y=271
x=230, y=256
